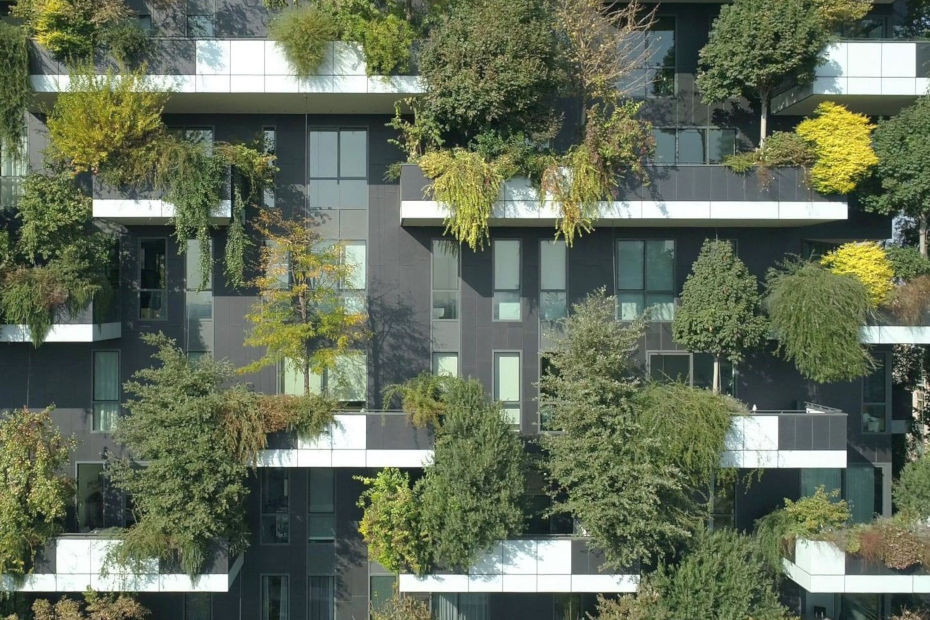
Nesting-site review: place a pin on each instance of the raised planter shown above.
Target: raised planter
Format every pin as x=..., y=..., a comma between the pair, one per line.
x=83, y=326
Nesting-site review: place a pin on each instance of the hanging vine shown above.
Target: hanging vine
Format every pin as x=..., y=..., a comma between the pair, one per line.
x=14, y=84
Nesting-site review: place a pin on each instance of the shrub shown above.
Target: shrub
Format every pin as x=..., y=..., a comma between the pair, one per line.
x=34, y=496
x=868, y=262
x=386, y=37
x=14, y=84
x=785, y=149
x=71, y=29
x=391, y=524
x=421, y=397
x=303, y=32
x=95, y=607
x=402, y=607
x=468, y=185
x=125, y=39
x=816, y=316
x=911, y=490
x=907, y=263
x=842, y=144
x=909, y=301
x=890, y=542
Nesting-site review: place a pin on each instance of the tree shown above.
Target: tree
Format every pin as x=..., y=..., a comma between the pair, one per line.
x=901, y=180
x=868, y=262
x=755, y=44
x=720, y=307
x=912, y=489
x=94, y=607
x=842, y=145
x=301, y=318
x=34, y=495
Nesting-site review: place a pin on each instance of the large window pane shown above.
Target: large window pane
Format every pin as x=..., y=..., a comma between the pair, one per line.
x=322, y=600
x=508, y=376
x=275, y=595
x=355, y=261
x=348, y=379
x=507, y=306
x=630, y=265
x=321, y=498
x=661, y=306
x=323, y=153
x=445, y=304
x=353, y=194
x=721, y=143
x=506, y=264
x=446, y=364
x=631, y=305
x=106, y=375
x=89, y=496
x=660, y=265
x=381, y=591
x=552, y=265
x=445, y=266
x=553, y=305
x=691, y=146
x=665, y=146
x=275, y=518
x=195, y=279
x=353, y=153
x=670, y=367
x=198, y=606
x=152, y=261
x=324, y=194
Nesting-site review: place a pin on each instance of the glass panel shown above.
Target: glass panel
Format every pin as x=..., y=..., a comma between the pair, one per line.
x=105, y=416
x=199, y=305
x=292, y=380
x=323, y=149
x=873, y=385
x=201, y=135
x=446, y=364
x=631, y=305
x=275, y=597
x=89, y=496
x=353, y=161
x=445, y=265
x=269, y=140
x=152, y=263
x=473, y=607
x=511, y=414
x=353, y=194
x=670, y=367
x=106, y=375
x=553, y=305
x=661, y=82
x=321, y=490
x=355, y=260
x=506, y=265
x=324, y=194
x=873, y=418
x=192, y=267
x=507, y=377
x=276, y=528
x=321, y=526
x=277, y=264
x=507, y=306
x=829, y=479
x=691, y=146
x=198, y=606
x=665, y=146
x=445, y=305
x=660, y=266
x=381, y=591
x=629, y=265
x=660, y=306
x=660, y=42
x=275, y=490
x=348, y=380
x=322, y=602
x=200, y=26
x=720, y=144
x=151, y=305
x=552, y=265
x=860, y=492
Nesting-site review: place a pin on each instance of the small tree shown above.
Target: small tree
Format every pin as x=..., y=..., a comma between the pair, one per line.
x=842, y=144
x=301, y=318
x=901, y=180
x=868, y=262
x=912, y=489
x=720, y=307
x=34, y=495
x=755, y=44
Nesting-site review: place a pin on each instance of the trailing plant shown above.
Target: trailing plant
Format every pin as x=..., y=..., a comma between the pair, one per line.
x=421, y=397
x=391, y=524
x=720, y=308
x=906, y=262
x=303, y=31
x=911, y=491
x=868, y=262
x=14, y=84
x=816, y=316
x=94, y=607
x=34, y=495
x=301, y=318
x=842, y=145
x=468, y=185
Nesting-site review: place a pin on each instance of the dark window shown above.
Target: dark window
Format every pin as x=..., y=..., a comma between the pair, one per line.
x=275, y=597
x=670, y=367
x=321, y=505
x=338, y=169
x=90, y=493
x=646, y=279
x=875, y=397
x=322, y=600
x=381, y=590
x=693, y=145
x=152, y=279
x=445, y=280
x=198, y=606
x=106, y=391
x=275, y=520
x=660, y=58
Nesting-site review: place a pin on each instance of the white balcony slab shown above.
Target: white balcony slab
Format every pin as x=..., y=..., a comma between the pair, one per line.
x=531, y=565
x=144, y=211
x=64, y=332
x=895, y=334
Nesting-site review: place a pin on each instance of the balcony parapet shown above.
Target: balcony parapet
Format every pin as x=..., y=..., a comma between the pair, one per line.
x=84, y=326
x=812, y=438
x=699, y=195
x=76, y=562
x=146, y=206
x=552, y=564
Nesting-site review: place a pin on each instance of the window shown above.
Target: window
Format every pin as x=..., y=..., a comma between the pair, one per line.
x=445, y=280
x=89, y=496
x=506, y=258
x=507, y=385
x=553, y=298
x=660, y=58
x=669, y=367
x=144, y=21
x=198, y=302
x=693, y=145
x=198, y=606
x=381, y=590
x=275, y=595
x=646, y=279
x=106, y=391
x=723, y=503
x=446, y=364
x=278, y=264
x=13, y=168
x=321, y=505
x=275, y=520
x=270, y=147
x=152, y=279
x=322, y=599
x=875, y=403
x=460, y=606
x=353, y=288
x=346, y=381
x=338, y=162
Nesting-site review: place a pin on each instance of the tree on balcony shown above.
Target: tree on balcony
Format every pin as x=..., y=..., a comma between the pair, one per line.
x=720, y=311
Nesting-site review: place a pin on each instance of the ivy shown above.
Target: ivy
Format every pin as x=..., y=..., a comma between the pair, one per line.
x=14, y=84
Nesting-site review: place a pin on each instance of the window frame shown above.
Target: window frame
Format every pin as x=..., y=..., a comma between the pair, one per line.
x=263, y=483
x=645, y=291
x=496, y=354
x=93, y=389
x=310, y=513
x=886, y=418
x=140, y=289
x=261, y=594
x=458, y=279
x=495, y=290
x=310, y=178
x=705, y=131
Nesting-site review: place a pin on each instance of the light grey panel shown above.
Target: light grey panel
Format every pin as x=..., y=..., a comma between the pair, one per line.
x=447, y=336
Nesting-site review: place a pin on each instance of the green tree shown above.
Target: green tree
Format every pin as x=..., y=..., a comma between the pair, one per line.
x=912, y=489
x=755, y=44
x=301, y=318
x=720, y=309
x=391, y=523
x=34, y=495
x=901, y=180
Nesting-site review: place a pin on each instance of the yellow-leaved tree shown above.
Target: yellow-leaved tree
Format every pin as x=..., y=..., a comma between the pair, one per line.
x=842, y=145
x=867, y=261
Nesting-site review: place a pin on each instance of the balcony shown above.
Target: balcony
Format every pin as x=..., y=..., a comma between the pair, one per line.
x=234, y=75
x=821, y=566
x=700, y=195
x=872, y=77
x=87, y=325
x=145, y=206
x=813, y=438
x=367, y=439
x=76, y=562
x=531, y=565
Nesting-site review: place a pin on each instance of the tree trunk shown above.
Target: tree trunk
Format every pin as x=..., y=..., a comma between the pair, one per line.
x=923, y=236
x=716, y=374
x=763, y=117
x=306, y=378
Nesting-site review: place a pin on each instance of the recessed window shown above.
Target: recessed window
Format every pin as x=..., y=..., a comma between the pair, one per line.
x=198, y=606
x=670, y=367
x=875, y=397
x=553, y=280
x=152, y=279
x=322, y=601
x=90, y=500
x=276, y=502
x=321, y=505
x=445, y=290
x=506, y=258
x=338, y=169
x=275, y=597
x=106, y=391
x=507, y=385
x=646, y=279
x=446, y=364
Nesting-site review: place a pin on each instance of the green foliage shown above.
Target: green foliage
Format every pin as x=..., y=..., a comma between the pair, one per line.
x=624, y=464
x=719, y=311
x=14, y=84
x=491, y=64
x=467, y=499
x=401, y=607
x=836, y=13
x=468, y=185
x=301, y=317
x=421, y=397
x=125, y=39
x=383, y=30
x=897, y=543
x=842, y=145
x=816, y=316
x=781, y=149
x=867, y=261
x=303, y=32
x=94, y=607
x=907, y=263
x=911, y=491
x=724, y=576
x=34, y=496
